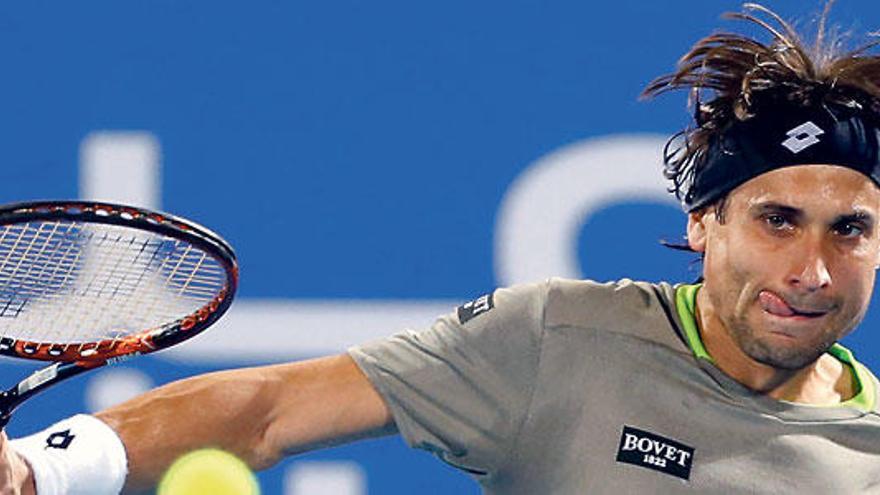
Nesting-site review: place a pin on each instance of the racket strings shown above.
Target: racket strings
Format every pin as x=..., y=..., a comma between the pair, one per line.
x=64, y=282
x=19, y=275
x=103, y=250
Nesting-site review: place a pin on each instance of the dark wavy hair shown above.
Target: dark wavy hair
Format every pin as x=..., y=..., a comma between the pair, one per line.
x=729, y=75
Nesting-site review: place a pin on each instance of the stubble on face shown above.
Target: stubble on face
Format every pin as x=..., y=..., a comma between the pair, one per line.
x=753, y=337
x=764, y=351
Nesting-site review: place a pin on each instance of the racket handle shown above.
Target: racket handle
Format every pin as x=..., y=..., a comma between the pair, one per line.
x=7, y=406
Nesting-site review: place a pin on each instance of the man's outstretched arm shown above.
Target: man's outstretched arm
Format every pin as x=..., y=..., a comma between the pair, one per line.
x=260, y=414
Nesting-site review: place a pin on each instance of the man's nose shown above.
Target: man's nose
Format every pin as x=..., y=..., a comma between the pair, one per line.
x=810, y=270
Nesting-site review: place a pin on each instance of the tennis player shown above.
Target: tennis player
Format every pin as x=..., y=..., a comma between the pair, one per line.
x=736, y=384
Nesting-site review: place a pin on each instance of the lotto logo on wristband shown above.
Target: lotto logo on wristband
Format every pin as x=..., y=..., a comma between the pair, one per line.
x=59, y=440
x=645, y=449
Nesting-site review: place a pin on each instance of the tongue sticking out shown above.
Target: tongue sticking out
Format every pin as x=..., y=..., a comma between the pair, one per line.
x=774, y=304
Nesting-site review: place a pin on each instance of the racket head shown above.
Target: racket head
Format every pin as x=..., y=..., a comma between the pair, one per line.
x=90, y=282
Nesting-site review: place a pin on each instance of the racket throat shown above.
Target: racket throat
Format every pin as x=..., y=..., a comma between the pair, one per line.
x=36, y=382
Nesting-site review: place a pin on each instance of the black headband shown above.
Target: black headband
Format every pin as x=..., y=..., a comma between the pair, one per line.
x=782, y=136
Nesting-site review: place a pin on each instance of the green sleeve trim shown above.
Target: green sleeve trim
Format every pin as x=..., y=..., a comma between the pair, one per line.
x=686, y=302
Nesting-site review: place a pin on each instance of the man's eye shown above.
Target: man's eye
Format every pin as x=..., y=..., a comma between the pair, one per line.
x=848, y=230
x=776, y=221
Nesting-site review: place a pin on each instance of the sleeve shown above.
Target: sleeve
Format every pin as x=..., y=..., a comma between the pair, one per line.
x=461, y=389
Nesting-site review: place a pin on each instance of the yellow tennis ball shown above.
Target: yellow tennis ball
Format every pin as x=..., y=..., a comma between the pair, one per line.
x=209, y=472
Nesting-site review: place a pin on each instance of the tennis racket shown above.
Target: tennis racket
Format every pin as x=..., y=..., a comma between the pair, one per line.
x=84, y=284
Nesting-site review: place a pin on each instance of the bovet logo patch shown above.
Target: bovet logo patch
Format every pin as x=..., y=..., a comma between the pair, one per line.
x=645, y=449
x=475, y=308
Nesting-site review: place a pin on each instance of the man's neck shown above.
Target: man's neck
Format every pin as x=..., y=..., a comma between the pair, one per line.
x=825, y=381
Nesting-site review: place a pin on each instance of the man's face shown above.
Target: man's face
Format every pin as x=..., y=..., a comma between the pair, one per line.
x=790, y=269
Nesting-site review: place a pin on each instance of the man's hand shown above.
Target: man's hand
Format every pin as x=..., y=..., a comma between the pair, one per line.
x=16, y=477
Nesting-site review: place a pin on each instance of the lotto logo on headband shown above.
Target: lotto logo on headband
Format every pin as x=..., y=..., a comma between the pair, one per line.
x=802, y=137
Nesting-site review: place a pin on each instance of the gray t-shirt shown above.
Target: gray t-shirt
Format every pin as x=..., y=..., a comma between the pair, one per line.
x=573, y=387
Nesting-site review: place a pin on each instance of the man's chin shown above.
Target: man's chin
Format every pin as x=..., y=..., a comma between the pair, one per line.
x=783, y=357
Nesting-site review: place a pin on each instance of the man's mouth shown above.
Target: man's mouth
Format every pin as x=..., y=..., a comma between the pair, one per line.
x=776, y=305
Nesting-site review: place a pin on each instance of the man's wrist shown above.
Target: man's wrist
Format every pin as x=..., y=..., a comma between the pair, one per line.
x=77, y=456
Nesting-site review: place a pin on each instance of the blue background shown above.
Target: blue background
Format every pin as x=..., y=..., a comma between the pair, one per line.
x=353, y=149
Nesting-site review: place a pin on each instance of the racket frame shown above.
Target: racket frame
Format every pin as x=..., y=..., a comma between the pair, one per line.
x=73, y=359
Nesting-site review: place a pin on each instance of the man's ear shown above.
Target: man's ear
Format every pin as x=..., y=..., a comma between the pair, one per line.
x=696, y=230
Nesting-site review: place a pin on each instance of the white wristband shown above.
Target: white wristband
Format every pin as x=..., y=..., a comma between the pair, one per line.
x=80, y=455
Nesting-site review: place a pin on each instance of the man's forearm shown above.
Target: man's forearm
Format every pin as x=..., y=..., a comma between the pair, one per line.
x=220, y=409
x=259, y=414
